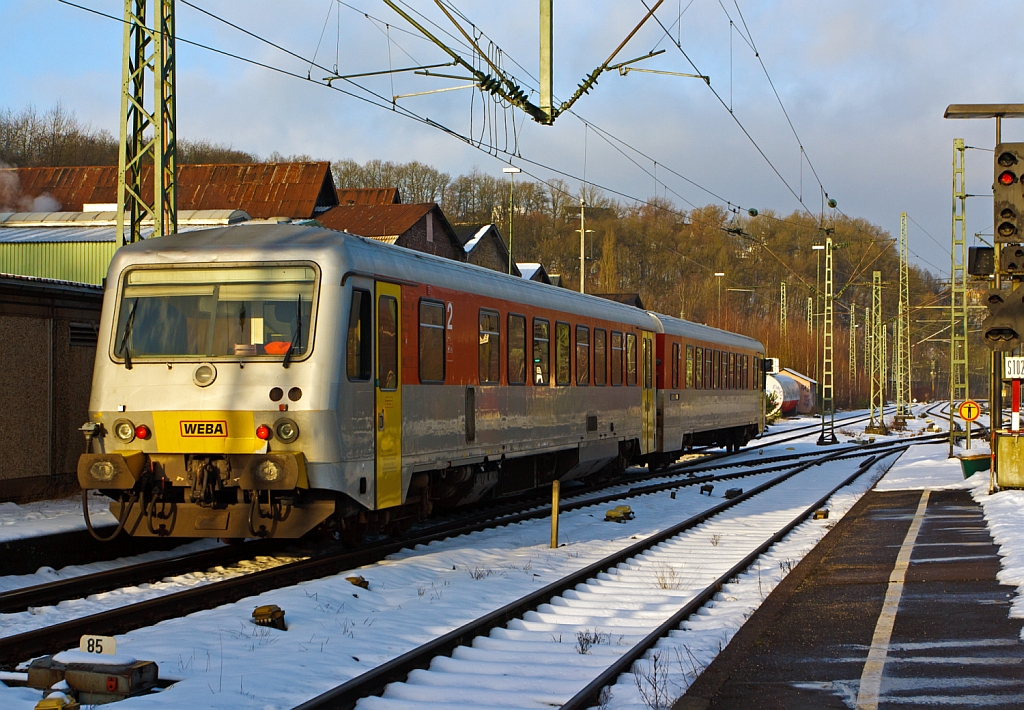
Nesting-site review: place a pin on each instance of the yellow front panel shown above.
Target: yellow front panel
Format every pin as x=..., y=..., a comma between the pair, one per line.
x=388, y=346
x=205, y=432
x=647, y=390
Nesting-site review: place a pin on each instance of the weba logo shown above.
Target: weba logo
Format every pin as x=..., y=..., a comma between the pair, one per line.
x=192, y=428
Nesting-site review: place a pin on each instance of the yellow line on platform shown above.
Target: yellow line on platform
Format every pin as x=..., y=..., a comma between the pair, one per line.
x=871, y=678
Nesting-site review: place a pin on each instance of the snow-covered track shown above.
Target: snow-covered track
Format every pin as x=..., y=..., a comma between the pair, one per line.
x=469, y=667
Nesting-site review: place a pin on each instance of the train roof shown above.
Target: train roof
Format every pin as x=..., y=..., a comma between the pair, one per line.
x=698, y=331
x=285, y=242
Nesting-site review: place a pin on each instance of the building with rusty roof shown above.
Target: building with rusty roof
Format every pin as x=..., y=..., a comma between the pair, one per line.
x=485, y=247
x=369, y=196
x=263, y=190
x=421, y=227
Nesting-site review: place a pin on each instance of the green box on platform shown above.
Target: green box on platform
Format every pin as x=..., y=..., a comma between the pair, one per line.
x=1009, y=461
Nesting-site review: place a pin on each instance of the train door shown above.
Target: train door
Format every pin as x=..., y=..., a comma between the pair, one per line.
x=388, y=392
x=647, y=394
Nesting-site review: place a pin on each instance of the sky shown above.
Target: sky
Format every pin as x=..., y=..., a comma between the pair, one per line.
x=864, y=84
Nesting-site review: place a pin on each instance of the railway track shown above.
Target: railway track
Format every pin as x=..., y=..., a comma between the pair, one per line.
x=17, y=648
x=52, y=593
x=612, y=602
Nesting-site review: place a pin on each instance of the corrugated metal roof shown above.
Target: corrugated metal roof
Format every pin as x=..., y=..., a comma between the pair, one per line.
x=374, y=220
x=16, y=278
x=369, y=196
x=296, y=190
x=207, y=218
x=70, y=233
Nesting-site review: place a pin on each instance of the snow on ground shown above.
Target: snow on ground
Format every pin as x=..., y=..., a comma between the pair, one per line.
x=338, y=630
x=45, y=575
x=47, y=517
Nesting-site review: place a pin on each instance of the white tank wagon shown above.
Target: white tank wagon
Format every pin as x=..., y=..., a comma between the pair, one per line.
x=266, y=380
x=786, y=394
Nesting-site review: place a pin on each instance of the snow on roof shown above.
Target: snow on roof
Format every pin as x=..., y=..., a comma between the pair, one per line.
x=528, y=270
x=471, y=244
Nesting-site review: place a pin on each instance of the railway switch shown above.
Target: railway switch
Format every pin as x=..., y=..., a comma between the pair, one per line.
x=619, y=514
x=269, y=615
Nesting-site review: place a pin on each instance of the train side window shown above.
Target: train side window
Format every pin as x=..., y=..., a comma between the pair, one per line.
x=699, y=374
x=516, y=350
x=631, y=359
x=675, y=366
x=689, y=366
x=730, y=371
x=648, y=364
x=709, y=371
x=616, y=359
x=387, y=343
x=600, y=357
x=745, y=377
x=490, y=348
x=582, y=355
x=541, y=351
x=563, y=364
x=716, y=372
x=431, y=342
x=359, y=347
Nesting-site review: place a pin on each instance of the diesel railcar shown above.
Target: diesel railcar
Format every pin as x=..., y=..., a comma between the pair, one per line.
x=268, y=380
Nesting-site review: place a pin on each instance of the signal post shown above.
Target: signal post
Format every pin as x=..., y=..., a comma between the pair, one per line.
x=1003, y=266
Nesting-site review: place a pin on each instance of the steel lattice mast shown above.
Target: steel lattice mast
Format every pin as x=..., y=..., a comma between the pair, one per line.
x=828, y=409
x=147, y=51
x=958, y=390
x=853, y=352
x=782, y=310
x=877, y=425
x=903, y=328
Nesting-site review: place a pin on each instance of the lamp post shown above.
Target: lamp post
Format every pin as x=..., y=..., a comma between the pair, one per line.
x=511, y=171
x=718, y=276
x=583, y=239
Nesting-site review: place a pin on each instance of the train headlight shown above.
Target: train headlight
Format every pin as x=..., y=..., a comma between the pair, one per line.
x=269, y=471
x=286, y=430
x=103, y=470
x=124, y=430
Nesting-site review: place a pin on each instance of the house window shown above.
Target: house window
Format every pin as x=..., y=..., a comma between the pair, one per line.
x=582, y=355
x=600, y=356
x=490, y=350
x=431, y=341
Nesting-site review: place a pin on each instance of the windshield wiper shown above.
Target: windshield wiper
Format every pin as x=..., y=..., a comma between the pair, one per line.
x=125, y=349
x=297, y=337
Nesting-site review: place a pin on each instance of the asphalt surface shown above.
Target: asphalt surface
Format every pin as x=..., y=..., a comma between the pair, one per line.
x=952, y=643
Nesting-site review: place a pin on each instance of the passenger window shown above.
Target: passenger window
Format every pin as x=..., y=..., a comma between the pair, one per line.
x=490, y=350
x=387, y=343
x=582, y=355
x=675, y=366
x=716, y=364
x=562, y=364
x=689, y=366
x=648, y=364
x=541, y=351
x=732, y=371
x=616, y=359
x=630, y=359
x=700, y=368
x=431, y=342
x=600, y=357
x=516, y=350
x=359, y=358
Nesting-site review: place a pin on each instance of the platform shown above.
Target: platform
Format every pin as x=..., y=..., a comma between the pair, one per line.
x=952, y=643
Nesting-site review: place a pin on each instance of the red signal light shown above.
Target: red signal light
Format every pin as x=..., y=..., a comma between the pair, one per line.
x=263, y=432
x=1007, y=178
x=142, y=431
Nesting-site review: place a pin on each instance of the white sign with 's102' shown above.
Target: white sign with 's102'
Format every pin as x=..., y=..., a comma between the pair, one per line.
x=1013, y=368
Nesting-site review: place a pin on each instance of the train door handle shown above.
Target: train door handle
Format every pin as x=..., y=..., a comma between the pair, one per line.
x=380, y=421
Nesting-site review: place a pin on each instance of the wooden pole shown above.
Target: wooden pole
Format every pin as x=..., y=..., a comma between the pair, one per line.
x=554, y=513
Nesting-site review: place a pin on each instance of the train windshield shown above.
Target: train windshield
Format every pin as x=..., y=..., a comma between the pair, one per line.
x=237, y=311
